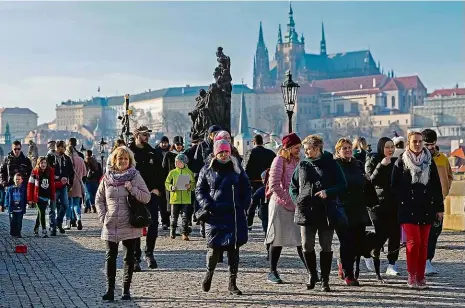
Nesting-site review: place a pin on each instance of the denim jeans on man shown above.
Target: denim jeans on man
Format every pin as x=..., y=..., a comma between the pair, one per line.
x=74, y=209
x=91, y=188
x=56, y=219
x=152, y=230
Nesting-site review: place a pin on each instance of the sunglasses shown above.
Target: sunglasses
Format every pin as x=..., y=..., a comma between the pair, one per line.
x=17, y=149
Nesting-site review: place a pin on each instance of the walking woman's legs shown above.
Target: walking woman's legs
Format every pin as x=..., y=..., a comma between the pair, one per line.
x=413, y=251
x=423, y=252
x=110, y=265
x=275, y=254
x=325, y=237
x=233, y=262
x=212, y=260
x=309, y=255
x=129, y=246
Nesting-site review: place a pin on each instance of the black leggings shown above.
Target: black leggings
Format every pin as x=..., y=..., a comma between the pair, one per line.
x=128, y=265
x=42, y=205
x=387, y=229
x=275, y=254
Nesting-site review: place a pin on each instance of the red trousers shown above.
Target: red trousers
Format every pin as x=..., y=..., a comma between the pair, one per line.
x=417, y=248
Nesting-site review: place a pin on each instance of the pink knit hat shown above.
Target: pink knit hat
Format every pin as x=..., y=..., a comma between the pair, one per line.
x=222, y=135
x=221, y=146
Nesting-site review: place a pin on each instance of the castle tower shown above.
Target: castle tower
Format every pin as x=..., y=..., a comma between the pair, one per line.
x=261, y=66
x=7, y=134
x=323, y=41
x=243, y=140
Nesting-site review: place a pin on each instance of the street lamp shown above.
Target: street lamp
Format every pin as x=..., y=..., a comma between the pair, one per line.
x=102, y=146
x=289, y=89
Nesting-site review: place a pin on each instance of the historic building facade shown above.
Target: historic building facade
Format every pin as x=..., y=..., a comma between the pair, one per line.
x=290, y=55
x=19, y=120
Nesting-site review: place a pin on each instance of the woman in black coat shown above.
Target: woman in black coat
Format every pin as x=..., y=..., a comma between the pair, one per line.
x=384, y=215
x=417, y=186
x=353, y=200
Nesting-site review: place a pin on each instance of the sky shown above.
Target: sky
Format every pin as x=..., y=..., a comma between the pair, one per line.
x=54, y=51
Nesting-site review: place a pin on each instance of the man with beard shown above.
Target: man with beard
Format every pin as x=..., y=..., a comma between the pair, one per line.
x=15, y=162
x=160, y=150
x=149, y=166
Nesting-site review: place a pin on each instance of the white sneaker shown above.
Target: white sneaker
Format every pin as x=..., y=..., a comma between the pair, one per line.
x=392, y=270
x=429, y=269
x=369, y=263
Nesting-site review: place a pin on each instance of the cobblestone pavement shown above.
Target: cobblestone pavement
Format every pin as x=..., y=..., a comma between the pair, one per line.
x=68, y=271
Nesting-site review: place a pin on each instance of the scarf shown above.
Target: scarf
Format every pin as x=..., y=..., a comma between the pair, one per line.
x=419, y=166
x=113, y=178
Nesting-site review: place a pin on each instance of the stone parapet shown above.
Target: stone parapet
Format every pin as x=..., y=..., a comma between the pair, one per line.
x=454, y=207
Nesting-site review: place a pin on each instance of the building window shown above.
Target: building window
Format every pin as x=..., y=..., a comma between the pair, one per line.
x=393, y=102
x=364, y=102
x=340, y=109
x=354, y=108
x=406, y=121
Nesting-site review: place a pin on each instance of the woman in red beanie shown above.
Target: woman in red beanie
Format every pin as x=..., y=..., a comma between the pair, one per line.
x=282, y=231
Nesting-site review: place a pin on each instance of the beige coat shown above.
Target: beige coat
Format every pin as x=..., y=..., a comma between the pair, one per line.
x=80, y=171
x=113, y=209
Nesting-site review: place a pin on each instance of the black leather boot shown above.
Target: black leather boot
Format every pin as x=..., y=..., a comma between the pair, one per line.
x=326, y=259
x=110, y=294
x=233, y=290
x=233, y=260
x=126, y=294
x=207, y=281
x=310, y=261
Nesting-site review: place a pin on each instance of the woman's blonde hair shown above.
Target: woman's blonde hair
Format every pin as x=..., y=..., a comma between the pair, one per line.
x=314, y=141
x=413, y=133
x=286, y=153
x=122, y=150
x=360, y=143
x=339, y=145
x=69, y=150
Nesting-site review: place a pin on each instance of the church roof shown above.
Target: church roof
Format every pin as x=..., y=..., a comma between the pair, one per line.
x=349, y=60
x=17, y=110
x=315, y=62
x=410, y=82
x=351, y=84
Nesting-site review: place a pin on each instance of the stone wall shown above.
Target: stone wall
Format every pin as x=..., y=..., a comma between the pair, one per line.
x=454, y=207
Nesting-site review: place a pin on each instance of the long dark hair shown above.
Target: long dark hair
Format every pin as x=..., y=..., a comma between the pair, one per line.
x=39, y=160
x=380, y=148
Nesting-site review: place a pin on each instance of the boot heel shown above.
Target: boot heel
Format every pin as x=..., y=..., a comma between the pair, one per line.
x=207, y=281
x=109, y=296
x=126, y=295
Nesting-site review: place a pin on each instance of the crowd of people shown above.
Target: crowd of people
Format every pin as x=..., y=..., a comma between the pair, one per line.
x=399, y=190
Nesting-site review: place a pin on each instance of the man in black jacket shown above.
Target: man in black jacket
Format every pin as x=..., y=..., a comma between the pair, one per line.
x=13, y=163
x=205, y=148
x=64, y=174
x=160, y=151
x=255, y=162
x=149, y=166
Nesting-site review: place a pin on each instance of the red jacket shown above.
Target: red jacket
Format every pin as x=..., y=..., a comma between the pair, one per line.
x=33, y=185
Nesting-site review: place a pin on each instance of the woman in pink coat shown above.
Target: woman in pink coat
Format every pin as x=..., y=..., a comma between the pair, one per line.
x=282, y=231
x=76, y=192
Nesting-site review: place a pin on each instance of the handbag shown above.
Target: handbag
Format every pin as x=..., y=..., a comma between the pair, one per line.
x=139, y=215
x=336, y=214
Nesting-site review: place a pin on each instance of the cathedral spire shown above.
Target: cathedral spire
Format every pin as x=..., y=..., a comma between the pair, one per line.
x=323, y=41
x=291, y=35
x=261, y=41
x=280, y=36
x=302, y=38
x=243, y=121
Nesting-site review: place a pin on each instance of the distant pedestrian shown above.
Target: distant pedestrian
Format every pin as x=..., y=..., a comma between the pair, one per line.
x=360, y=147
x=41, y=191
x=180, y=198
x=15, y=201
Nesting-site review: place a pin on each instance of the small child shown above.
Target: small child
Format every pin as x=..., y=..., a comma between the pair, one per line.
x=15, y=200
x=180, y=200
x=41, y=190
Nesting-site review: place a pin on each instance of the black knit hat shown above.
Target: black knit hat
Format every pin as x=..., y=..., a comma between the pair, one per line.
x=178, y=139
x=429, y=136
x=164, y=139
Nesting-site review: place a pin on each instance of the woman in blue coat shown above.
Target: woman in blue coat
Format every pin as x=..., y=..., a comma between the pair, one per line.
x=224, y=194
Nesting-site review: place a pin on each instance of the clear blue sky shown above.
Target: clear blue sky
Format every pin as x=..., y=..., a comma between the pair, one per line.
x=51, y=52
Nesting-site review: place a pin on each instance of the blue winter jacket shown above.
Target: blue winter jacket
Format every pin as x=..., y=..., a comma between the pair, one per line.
x=224, y=190
x=9, y=198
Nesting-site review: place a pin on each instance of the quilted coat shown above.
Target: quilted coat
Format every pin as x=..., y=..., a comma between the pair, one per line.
x=310, y=177
x=113, y=209
x=80, y=171
x=224, y=190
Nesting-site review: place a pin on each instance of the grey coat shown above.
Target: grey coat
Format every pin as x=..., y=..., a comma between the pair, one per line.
x=113, y=209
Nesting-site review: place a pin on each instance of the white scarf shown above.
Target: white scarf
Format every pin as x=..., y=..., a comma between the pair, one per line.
x=419, y=166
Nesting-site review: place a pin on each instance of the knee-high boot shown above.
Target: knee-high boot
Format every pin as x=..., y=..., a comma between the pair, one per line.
x=233, y=258
x=111, y=277
x=310, y=261
x=326, y=259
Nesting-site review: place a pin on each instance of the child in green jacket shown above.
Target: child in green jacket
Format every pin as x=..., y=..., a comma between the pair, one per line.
x=180, y=197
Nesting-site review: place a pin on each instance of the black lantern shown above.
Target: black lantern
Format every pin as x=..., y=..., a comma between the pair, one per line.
x=102, y=146
x=289, y=89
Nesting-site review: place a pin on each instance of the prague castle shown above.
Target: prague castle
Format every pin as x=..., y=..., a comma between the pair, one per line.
x=305, y=67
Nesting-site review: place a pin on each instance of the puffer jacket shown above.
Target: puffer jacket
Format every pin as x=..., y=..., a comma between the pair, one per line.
x=113, y=209
x=224, y=191
x=281, y=172
x=417, y=203
x=380, y=177
x=179, y=196
x=12, y=165
x=310, y=177
x=353, y=199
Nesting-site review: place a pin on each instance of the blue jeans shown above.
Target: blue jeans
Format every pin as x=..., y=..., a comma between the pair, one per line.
x=57, y=218
x=74, y=209
x=91, y=192
x=16, y=223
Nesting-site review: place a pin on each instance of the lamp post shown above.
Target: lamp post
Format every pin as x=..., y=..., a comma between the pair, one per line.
x=289, y=89
x=102, y=146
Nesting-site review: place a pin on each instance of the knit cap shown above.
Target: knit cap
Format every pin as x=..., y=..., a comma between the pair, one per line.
x=221, y=146
x=222, y=135
x=182, y=158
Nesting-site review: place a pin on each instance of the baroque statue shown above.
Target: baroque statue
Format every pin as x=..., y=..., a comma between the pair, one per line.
x=213, y=106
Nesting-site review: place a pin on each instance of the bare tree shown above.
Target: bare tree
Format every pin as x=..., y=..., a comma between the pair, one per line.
x=175, y=121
